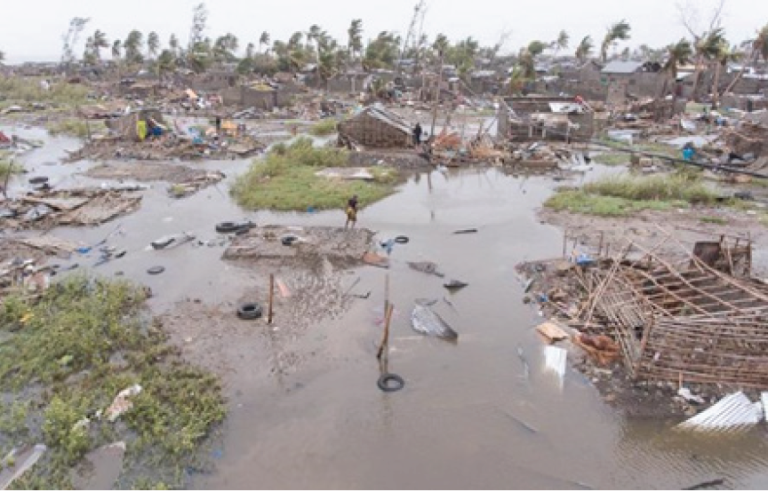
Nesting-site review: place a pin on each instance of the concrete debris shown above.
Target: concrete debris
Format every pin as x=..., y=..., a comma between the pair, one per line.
x=22, y=463
x=78, y=207
x=122, y=402
x=344, y=248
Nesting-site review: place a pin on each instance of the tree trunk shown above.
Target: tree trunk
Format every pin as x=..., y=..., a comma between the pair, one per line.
x=716, y=87
x=696, y=75
x=733, y=83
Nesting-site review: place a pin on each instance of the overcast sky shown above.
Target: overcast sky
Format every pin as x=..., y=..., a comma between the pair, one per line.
x=32, y=29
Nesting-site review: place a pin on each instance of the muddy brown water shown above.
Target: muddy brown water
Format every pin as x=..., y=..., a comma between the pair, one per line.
x=468, y=416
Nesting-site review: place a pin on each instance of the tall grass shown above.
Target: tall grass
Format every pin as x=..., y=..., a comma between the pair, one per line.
x=24, y=90
x=286, y=180
x=679, y=186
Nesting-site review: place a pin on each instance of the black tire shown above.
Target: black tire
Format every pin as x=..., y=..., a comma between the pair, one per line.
x=227, y=227
x=155, y=270
x=249, y=310
x=402, y=239
x=288, y=240
x=383, y=381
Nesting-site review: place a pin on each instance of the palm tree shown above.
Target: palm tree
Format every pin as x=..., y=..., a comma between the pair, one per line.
x=355, y=37
x=153, y=44
x=759, y=49
x=166, y=62
x=264, y=39
x=617, y=32
x=173, y=44
x=99, y=41
x=677, y=54
x=584, y=49
x=561, y=42
x=725, y=55
x=250, y=50
x=117, y=48
x=706, y=48
x=224, y=48
x=132, y=46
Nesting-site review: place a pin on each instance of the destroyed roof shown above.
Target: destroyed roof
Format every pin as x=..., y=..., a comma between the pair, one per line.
x=618, y=66
x=480, y=74
x=393, y=119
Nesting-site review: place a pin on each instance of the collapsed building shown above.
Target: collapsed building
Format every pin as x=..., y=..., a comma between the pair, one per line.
x=700, y=319
x=376, y=127
x=545, y=118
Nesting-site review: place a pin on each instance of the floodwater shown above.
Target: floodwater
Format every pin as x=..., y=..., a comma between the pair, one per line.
x=470, y=415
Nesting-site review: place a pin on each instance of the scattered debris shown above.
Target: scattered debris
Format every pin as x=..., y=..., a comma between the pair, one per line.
x=339, y=246
x=552, y=332
x=427, y=322
x=122, y=402
x=426, y=267
x=79, y=207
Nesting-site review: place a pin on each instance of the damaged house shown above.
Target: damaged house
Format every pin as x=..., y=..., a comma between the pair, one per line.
x=545, y=118
x=376, y=127
x=627, y=80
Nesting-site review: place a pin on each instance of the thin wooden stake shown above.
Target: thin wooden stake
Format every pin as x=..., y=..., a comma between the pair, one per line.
x=386, y=293
x=271, y=297
x=385, y=337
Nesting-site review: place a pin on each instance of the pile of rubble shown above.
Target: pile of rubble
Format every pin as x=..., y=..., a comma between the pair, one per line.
x=699, y=319
x=78, y=207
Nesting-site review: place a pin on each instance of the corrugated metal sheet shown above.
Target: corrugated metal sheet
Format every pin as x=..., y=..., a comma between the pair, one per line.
x=618, y=66
x=734, y=412
x=388, y=117
x=554, y=359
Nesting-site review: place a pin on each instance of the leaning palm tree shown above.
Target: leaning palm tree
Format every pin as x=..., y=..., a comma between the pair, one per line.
x=561, y=42
x=355, y=35
x=584, y=49
x=617, y=32
x=725, y=55
x=99, y=42
x=759, y=49
x=706, y=48
x=677, y=54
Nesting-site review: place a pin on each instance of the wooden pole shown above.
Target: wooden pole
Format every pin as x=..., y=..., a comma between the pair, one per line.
x=386, y=293
x=271, y=297
x=385, y=338
x=437, y=95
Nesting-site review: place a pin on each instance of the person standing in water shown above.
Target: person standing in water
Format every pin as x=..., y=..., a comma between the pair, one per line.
x=351, y=212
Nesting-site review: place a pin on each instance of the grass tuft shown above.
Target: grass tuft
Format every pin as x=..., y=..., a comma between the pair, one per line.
x=324, y=127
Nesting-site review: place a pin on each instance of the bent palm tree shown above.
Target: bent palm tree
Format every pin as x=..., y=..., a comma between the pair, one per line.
x=707, y=48
x=759, y=49
x=617, y=32
x=725, y=55
x=584, y=49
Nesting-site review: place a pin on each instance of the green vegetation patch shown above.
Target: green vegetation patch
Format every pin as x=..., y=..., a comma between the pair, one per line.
x=27, y=90
x=286, y=180
x=324, y=127
x=625, y=194
x=64, y=359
